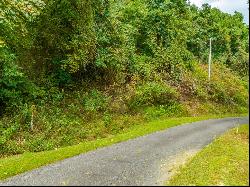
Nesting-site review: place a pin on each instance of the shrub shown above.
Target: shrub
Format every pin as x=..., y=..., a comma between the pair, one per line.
x=7, y=132
x=40, y=143
x=225, y=87
x=142, y=66
x=153, y=93
x=95, y=101
x=15, y=88
x=175, y=110
x=12, y=81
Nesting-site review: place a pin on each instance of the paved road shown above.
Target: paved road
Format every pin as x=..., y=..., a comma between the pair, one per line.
x=134, y=162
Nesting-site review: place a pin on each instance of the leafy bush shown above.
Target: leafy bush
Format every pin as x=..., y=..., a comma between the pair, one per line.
x=7, y=132
x=40, y=143
x=142, y=66
x=54, y=95
x=107, y=119
x=155, y=112
x=14, y=87
x=95, y=101
x=153, y=93
x=225, y=86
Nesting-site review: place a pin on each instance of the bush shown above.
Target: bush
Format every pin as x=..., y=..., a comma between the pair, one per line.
x=12, y=81
x=95, y=101
x=225, y=87
x=7, y=133
x=153, y=93
x=40, y=143
x=142, y=66
x=15, y=88
x=175, y=110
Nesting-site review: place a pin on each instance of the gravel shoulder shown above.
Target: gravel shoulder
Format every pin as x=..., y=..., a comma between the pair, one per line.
x=134, y=162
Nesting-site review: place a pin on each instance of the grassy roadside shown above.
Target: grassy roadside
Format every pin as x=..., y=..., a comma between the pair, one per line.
x=225, y=162
x=13, y=165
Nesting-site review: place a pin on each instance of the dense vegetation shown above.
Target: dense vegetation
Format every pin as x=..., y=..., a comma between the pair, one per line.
x=72, y=70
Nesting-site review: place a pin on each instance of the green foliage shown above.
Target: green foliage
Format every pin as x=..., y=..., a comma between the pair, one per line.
x=174, y=109
x=142, y=66
x=107, y=119
x=152, y=93
x=225, y=86
x=69, y=37
x=14, y=86
x=95, y=101
x=7, y=133
x=64, y=57
x=54, y=95
x=15, y=17
x=67, y=41
x=229, y=37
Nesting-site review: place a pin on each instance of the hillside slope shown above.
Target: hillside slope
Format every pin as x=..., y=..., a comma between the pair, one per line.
x=72, y=71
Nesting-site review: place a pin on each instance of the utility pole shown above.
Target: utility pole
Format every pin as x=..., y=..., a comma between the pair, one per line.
x=209, y=60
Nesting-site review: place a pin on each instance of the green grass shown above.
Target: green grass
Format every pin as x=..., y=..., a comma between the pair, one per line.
x=13, y=165
x=223, y=162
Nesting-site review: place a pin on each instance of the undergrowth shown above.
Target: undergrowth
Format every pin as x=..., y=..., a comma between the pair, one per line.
x=67, y=117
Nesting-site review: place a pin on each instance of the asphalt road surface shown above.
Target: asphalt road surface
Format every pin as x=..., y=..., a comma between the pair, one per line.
x=134, y=162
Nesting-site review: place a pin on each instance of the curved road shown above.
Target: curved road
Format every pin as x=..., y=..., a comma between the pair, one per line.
x=134, y=162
